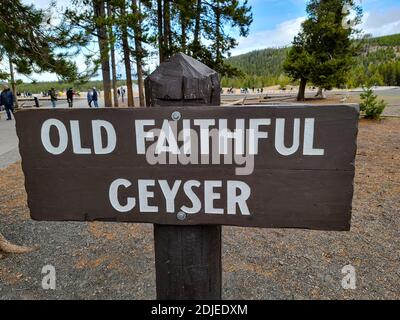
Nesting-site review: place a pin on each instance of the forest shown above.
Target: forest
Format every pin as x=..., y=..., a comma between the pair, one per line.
x=117, y=33
x=128, y=34
x=378, y=63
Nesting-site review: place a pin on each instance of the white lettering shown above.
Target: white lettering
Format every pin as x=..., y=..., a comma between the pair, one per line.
x=97, y=125
x=113, y=196
x=235, y=199
x=62, y=134
x=308, y=147
x=210, y=196
x=255, y=134
x=280, y=137
x=142, y=136
x=76, y=139
x=196, y=203
x=167, y=136
x=145, y=194
x=169, y=194
x=204, y=125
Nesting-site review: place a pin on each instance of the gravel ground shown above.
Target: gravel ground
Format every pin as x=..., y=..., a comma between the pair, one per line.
x=116, y=261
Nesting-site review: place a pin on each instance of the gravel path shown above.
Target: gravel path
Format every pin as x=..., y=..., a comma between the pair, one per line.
x=8, y=142
x=116, y=261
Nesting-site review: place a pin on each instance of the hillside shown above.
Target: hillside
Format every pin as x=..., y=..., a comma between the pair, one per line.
x=260, y=62
x=378, y=63
x=391, y=40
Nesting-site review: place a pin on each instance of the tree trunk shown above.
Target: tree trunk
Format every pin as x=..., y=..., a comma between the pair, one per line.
x=196, y=37
x=113, y=64
x=13, y=88
x=139, y=51
x=167, y=29
x=183, y=36
x=302, y=90
x=7, y=247
x=127, y=61
x=183, y=32
x=99, y=12
x=218, y=33
x=160, y=31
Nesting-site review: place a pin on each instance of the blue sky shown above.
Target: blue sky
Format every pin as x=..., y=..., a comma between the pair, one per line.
x=276, y=22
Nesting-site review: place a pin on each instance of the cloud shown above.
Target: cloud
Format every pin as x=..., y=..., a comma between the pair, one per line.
x=377, y=23
x=281, y=35
x=44, y=4
x=382, y=23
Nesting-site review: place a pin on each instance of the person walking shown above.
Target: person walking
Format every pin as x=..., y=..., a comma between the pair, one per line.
x=122, y=93
x=53, y=97
x=70, y=97
x=89, y=97
x=95, y=97
x=7, y=100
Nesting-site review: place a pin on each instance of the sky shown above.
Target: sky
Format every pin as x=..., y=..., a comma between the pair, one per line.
x=276, y=22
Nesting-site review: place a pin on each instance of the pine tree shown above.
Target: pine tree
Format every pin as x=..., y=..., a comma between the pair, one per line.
x=99, y=20
x=123, y=25
x=199, y=28
x=139, y=52
x=31, y=47
x=112, y=40
x=31, y=43
x=219, y=15
x=90, y=17
x=323, y=51
x=370, y=106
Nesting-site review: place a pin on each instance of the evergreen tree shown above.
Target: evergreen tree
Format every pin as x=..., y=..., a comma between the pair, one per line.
x=30, y=44
x=112, y=39
x=90, y=17
x=100, y=24
x=378, y=63
x=220, y=15
x=370, y=106
x=323, y=51
x=137, y=26
x=124, y=36
x=199, y=28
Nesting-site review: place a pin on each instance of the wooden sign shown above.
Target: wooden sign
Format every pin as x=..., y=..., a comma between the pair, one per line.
x=269, y=166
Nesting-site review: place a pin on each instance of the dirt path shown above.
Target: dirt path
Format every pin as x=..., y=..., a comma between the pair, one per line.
x=116, y=261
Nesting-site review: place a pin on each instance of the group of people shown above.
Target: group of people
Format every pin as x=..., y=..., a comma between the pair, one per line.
x=245, y=90
x=54, y=97
x=7, y=98
x=25, y=94
x=93, y=97
x=121, y=92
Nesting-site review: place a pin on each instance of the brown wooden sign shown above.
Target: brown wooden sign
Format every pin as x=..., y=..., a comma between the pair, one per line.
x=269, y=166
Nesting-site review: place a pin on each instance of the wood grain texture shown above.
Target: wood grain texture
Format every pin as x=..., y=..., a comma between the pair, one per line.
x=188, y=259
x=295, y=192
x=188, y=262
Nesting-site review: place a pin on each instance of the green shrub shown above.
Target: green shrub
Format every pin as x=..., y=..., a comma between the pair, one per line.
x=370, y=106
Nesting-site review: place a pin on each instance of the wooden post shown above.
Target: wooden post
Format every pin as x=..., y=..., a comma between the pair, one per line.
x=13, y=88
x=188, y=262
x=187, y=258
